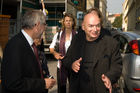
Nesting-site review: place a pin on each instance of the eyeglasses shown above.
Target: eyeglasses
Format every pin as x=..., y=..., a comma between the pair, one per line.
x=42, y=24
x=45, y=24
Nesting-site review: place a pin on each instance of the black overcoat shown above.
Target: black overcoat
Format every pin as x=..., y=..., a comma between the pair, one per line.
x=107, y=60
x=20, y=70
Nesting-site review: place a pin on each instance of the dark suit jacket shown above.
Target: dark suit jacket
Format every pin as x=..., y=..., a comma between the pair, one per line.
x=107, y=60
x=20, y=70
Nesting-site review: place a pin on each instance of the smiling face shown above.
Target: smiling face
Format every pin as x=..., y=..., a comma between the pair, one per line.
x=92, y=26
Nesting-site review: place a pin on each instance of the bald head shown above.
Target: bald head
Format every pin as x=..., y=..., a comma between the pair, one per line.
x=92, y=24
x=96, y=12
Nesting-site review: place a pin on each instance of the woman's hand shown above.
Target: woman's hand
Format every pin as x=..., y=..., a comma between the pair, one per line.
x=58, y=55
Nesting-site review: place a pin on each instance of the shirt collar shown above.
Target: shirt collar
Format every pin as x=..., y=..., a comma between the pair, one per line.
x=29, y=39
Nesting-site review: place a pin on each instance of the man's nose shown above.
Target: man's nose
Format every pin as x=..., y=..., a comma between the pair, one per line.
x=95, y=28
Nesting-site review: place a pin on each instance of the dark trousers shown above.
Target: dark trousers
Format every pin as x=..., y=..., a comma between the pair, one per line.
x=61, y=88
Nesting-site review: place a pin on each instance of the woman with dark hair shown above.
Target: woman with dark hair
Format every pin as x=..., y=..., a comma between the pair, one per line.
x=59, y=47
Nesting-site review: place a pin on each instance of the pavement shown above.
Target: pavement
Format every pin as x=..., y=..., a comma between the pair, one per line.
x=52, y=65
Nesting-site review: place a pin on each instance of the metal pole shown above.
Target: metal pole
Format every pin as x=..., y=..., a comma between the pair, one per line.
x=55, y=15
x=1, y=6
x=20, y=6
x=19, y=16
x=65, y=5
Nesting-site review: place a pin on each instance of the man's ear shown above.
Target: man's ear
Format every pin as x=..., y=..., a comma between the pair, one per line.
x=83, y=26
x=37, y=24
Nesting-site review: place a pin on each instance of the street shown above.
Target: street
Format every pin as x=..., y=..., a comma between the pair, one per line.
x=52, y=65
x=121, y=17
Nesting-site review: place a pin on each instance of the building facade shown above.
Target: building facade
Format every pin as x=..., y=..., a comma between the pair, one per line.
x=15, y=8
x=100, y=4
x=131, y=15
x=103, y=9
x=57, y=8
x=111, y=18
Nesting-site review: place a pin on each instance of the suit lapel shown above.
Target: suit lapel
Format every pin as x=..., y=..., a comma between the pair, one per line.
x=27, y=45
x=29, y=49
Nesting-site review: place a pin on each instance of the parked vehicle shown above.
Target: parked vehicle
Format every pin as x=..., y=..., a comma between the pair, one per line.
x=130, y=50
x=119, y=29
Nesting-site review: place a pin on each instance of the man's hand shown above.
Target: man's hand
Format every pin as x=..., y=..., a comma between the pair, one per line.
x=49, y=83
x=107, y=82
x=76, y=65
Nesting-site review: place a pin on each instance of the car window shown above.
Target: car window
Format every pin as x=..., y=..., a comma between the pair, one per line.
x=123, y=43
x=125, y=47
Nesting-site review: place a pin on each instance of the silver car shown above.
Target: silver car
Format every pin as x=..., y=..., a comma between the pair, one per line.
x=130, y=50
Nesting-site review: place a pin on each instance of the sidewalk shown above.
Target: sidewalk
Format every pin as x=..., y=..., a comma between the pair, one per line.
x=53, y=68
x=52, y=65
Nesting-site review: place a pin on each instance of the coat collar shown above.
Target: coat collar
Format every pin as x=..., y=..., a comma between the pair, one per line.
x=99, y=45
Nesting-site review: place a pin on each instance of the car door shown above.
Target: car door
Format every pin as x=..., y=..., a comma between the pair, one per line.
x=124, y=49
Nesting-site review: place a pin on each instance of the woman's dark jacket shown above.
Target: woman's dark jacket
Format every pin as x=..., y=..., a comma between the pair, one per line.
x=107, y=60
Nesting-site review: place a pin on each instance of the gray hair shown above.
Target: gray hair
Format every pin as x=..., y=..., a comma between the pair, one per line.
x=31, y=18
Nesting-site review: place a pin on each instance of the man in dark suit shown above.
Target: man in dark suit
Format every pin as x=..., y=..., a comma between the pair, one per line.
x=21, y=70
x=93, y=57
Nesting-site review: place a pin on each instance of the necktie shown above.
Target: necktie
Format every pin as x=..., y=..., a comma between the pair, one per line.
x=37, y=57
